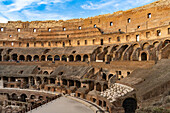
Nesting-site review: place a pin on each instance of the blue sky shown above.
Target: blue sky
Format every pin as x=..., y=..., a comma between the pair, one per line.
x=31, y=10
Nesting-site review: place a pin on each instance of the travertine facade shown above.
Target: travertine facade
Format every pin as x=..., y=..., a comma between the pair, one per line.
x=98, y=58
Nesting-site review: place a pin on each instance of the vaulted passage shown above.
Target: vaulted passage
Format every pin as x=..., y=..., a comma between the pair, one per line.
x=143, y=56
x=56, y=58
x=78, y=58
x=14, y=57
x=130, y=105
x=71, y=58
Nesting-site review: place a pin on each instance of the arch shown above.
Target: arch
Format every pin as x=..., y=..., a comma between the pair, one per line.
x=14, y=96
x=129, y=105
x=40, y=97
x=143, y=56
x=57, y=58
x=110, y=75
x=23, y=97
x=166, y=42
x=156, y=43
x=52, y=81
x=71, y=58
x=32, y=97
x=46, y=73
x=136, y=45
x=49, y=58
x=22, y=57
x=145, y=45
x=98, y=87
x=0, y=57
x=43, y=58
x=36, y=58
x=64, y=58
x=28, y=58
x=104, y=76
x=78, y=58
x=85, y=58
x=14, y=57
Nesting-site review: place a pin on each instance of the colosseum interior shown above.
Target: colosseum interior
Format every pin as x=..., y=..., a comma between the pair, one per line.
x=118, y=62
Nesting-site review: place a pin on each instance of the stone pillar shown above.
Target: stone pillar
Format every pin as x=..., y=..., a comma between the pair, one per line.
x=106, y=58
x=67, y=59
x=75, y=83
x=48, y=81
x=81, y=58
x=35, y=80
x=74, y=58
x=102, y=87
x=95, y=87
x=68, y=83
x=18, y=58
x=60, y=58
x=42, y=81
x=29, y=81
x=45, y=58
x=9, y=79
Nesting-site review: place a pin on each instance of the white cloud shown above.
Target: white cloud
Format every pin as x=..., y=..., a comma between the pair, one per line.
x=43, y=16
x=114, y=4
x=3, y=20
x=100, y=5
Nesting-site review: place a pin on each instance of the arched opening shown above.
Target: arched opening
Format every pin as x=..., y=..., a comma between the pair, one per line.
x=36, y=58
x=155, y=44
x=45, y=80
x=28, y=58
x=145, y=45
x=78, y=58
x=49, y=58
x=52, y=81
x=166, y=42
x=71, y=83
x=130, y=105
x=6, y=58
x=43, y=58
x=105, y=87
x=101, y=41
x=64, y=58
x=78, y=84
x=46, y=72
x=56, y=58
x=143, y=56
x=85, y=58
x=64, y=82
x=32, y=97
x=40, y=97
x=14, y=97
x=39, y=80
x=14, y=57
x=22, y=57
x=104, y=76
x=71, y=58
x=98, y=87
x=110, y=76
x=0, y=58
x=23, y=97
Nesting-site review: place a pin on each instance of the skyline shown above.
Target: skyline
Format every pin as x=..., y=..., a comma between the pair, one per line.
x=40, y=10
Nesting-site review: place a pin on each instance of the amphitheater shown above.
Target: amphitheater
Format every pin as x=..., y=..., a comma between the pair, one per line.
x=115, y=63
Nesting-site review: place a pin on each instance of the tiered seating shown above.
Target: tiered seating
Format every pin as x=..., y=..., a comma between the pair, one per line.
x=115, y=91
